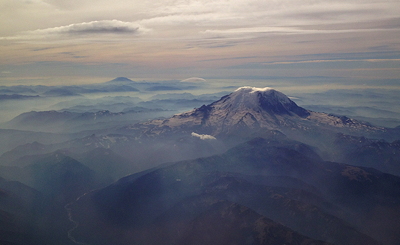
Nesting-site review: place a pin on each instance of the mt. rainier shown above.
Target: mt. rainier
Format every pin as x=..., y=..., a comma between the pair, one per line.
x=249, y=109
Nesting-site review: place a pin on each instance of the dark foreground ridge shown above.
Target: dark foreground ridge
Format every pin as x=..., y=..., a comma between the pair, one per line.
x=243, y=190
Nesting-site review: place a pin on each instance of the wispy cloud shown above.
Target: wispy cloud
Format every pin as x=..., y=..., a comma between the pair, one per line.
x=331, y=61
x=253, y=32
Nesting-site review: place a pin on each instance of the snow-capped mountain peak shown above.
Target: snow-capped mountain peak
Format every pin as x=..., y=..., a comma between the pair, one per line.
x=251, y=109
x=245, y=108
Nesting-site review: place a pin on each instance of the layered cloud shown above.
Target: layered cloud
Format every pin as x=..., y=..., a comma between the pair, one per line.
x=93, y=28
x=205, y=19
x=224, y=17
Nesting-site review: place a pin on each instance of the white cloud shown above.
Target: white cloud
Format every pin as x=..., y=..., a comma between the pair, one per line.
x=203, y=136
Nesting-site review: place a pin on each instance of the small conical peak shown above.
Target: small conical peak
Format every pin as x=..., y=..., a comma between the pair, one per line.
x=120, y=79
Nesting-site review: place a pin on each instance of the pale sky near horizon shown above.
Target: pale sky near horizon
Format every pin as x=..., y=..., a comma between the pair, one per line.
x=42, y=41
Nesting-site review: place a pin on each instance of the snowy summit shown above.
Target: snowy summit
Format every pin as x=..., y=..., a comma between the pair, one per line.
x=253, y=98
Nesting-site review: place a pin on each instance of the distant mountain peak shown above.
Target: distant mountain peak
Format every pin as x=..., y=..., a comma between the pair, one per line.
x=120, y=79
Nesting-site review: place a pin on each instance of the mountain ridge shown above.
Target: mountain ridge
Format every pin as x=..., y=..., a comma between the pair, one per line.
x=136, y=202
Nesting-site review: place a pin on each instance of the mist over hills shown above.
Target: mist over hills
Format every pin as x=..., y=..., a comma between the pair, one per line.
x=247, y=167
x=17, y=97
x=119, y=84
x=66, y=121
x=132, y=204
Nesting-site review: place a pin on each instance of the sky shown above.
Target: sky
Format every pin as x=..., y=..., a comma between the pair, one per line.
x=84, y=41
